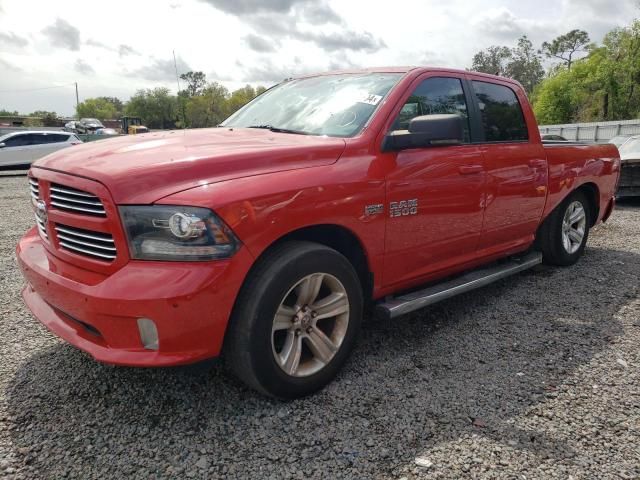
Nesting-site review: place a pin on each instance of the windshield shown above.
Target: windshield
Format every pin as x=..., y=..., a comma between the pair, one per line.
x=632, y=145
x=333, y=105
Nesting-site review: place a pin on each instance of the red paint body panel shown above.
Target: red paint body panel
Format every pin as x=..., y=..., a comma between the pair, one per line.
x=139, y=169
x=476, y=203
x=189, y=302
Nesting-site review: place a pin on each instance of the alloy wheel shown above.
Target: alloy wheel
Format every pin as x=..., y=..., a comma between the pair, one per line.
x=573, y=227
x=310, y=324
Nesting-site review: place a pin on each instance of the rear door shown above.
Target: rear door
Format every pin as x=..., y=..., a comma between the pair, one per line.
x=515, y=162
x=434, y=195
x=47, y=143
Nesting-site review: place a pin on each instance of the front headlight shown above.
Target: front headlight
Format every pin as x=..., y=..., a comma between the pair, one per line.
x=173, y=232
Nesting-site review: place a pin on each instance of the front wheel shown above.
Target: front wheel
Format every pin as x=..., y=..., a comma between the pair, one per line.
x=563, y=236
x=295, y=321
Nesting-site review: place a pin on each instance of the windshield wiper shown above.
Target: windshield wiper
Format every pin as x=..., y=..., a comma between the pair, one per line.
x=278, y=130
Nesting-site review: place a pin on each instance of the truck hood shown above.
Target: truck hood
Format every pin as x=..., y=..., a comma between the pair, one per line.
x=144, y=168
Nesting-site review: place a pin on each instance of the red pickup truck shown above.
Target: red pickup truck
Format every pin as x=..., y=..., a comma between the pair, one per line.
x=264, y=239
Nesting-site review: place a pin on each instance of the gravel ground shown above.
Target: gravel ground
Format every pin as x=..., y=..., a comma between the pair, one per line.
x=534, y=377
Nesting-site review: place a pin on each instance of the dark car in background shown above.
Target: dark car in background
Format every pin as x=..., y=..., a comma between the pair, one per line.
x=88, y=125
x=71, y=126
x=553, y=138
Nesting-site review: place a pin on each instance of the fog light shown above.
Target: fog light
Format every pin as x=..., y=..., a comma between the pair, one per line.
x=148, y=333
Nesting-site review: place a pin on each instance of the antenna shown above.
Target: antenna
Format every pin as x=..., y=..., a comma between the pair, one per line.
x=184, y=113
x=175, y=65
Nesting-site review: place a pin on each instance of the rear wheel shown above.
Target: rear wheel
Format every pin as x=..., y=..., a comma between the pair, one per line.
x=295, y=321
x=563, y=236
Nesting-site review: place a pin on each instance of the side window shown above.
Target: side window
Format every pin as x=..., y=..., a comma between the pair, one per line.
x=434, y=96
x=15, y=141
x=23, y=140
x=56, y=138
x=501, y=113
x=35, y=139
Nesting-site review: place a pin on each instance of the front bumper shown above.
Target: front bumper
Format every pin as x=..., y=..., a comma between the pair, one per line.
x=189, y=302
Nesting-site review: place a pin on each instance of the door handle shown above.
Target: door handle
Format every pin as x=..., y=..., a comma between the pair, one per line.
x=469, y=169
x=537, y=163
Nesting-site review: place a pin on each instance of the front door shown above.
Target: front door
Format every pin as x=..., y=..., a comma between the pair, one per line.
x=434, y=195
x=16, y=150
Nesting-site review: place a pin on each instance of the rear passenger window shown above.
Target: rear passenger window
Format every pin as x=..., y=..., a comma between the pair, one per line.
x=435, y=96
x=56, y=138
x=501, y=113
x=36, y=138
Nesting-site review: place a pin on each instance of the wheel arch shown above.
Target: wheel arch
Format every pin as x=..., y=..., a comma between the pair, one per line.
x=339, y=238
x=592, y=193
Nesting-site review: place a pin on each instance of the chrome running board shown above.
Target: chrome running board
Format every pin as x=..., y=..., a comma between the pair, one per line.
x=396, y=306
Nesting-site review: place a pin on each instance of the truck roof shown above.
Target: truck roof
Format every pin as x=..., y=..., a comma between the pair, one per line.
x=407, y=69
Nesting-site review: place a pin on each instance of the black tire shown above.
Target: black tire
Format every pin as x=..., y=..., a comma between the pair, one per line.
x=550, y=235
x=248, y=349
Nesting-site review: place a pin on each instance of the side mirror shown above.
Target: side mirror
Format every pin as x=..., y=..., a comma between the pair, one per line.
x=2, y=145
x=426, y=131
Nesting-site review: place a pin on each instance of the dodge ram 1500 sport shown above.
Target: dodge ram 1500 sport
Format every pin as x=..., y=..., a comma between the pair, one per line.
x=264, y=239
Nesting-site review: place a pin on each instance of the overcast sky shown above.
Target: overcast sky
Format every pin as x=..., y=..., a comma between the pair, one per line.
x=115, y=47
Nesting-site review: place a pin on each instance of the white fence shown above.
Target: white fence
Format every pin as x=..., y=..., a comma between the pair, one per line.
x=593, y=132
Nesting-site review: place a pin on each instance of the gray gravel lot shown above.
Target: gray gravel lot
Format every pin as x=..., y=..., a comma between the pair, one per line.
x=534, y=377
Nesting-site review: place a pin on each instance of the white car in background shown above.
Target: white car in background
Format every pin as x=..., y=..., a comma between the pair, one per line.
x=629, y=184
x=19, y=149
x=619, y=140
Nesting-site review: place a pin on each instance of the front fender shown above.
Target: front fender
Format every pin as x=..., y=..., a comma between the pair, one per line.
x=264, y=208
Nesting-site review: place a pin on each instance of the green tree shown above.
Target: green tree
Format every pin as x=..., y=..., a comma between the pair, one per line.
x=553, y=101
x=47, y=119
x=566, y=46
x=493, y=60
x=241, y=97
x=603, y=86
x=156, y=107
x=117, y=104
x=521, y=63
x=208, y=109
x=8, y=113
x=525, y=65
x=99, y=108
x=196, y=82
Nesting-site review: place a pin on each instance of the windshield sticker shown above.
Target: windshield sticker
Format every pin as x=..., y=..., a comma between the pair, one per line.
x=371, y=99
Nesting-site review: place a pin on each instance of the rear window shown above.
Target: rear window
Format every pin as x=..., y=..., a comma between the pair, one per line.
x=501, y=113
x=56, y=138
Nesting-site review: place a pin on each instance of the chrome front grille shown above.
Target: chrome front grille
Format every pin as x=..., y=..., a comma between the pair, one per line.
x=77, y=201
x=91, y=244
x=34, y=188
x=86, y=242
x=42, y=228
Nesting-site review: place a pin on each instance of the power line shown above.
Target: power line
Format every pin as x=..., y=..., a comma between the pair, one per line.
x=34, y=89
